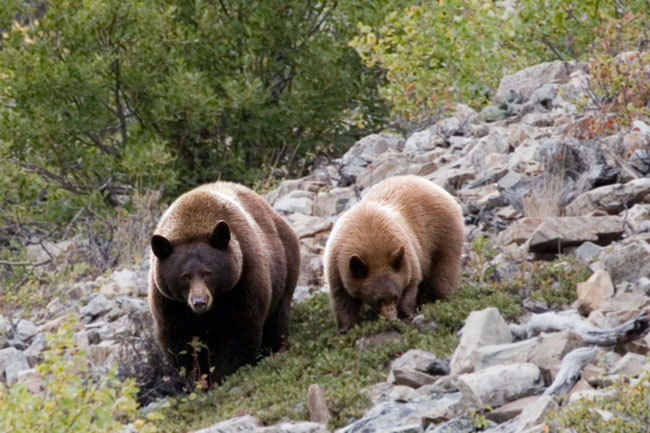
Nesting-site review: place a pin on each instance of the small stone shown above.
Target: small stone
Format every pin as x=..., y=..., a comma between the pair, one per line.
x=35, y=350
x=552, y=348
x=32, y=380
x=588, y=250
x=14, y=365
x=536, y=413
x=461, y=424
x=401, y=393
x=501, y=384
x=593, y=292
x=510, y=410
x=631, y=364
x=411, y=368
x=25, y=330
x=242, y=424
x=366, y=342
x=95, y=308
x=492, y=114
x=317, y=405
x=627, y=260
x=481, y=329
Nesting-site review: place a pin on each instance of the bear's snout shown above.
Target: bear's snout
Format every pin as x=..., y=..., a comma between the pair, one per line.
x=389, y=311
x=199, y=298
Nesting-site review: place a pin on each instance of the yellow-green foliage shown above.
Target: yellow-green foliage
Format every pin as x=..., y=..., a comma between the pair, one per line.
x=435, y=52
x=626, y=410
x=72, y=400
x=438, y=51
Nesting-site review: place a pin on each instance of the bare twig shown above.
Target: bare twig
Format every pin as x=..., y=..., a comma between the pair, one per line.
x=32, y=264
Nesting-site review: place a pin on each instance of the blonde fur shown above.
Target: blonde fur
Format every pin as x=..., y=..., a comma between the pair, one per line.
x=401, y=211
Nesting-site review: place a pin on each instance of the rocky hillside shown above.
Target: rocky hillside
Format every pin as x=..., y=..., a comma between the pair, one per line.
x=537, y=176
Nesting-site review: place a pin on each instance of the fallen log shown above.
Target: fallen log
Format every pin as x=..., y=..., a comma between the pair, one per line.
x=571, y=320
x=570, y=370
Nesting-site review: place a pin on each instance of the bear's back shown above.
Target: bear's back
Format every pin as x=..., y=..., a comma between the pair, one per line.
x=431, y=213
x=194, y=214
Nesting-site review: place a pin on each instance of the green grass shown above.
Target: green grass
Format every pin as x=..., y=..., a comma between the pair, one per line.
x=276, y=388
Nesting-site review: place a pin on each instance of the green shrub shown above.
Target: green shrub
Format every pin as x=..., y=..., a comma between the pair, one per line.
x=436, y=52
x=72, y=400
x=625, y=410
x=103, y=96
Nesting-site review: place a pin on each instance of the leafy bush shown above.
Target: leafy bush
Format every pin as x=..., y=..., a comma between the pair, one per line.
x=72, y=401
x=437, y=52
x=625, y=410
x=100, y=97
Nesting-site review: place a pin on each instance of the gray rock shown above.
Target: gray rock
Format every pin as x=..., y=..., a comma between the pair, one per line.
x=492, y=113
x=526, y=81
x=14, y=365
x=118, y=283
x=500, y=354
x=95, y=308
x=552, y=234
x=307, y=226
x=334, y=201
x=412, y=369
x=317, y=405
x=33, y=352
x=461, y=424
x=632, y=364
x=510, y=410
x=296, y=202
x=32, y=380
x=481, y=329
x=588, y=250
x=552, y=348
x=501, y=384
x=390, y=416
x=423, y=141
x=593, y=292
x=25, y=330
x=627, y=260
x=6, y=355
x=294, y=427
x=556, y=233
x=610, y=198
x=536, y=413
x=638, y=218
x=242, y=424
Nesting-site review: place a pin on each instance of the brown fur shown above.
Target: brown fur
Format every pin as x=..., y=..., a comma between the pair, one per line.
x=399, y=247
x=224, y=267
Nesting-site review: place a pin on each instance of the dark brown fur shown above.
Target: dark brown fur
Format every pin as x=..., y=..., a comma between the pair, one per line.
x=224, y=267
x=397, y=248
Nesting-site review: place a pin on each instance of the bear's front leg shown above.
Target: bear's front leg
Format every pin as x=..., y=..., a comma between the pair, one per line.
x=407, y=306
x=237, y=345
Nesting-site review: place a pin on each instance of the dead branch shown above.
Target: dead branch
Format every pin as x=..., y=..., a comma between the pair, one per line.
x=571, y=320
x=570, y=370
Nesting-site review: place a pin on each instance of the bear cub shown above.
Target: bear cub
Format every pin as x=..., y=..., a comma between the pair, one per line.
x=399, y=247
x=224, y=266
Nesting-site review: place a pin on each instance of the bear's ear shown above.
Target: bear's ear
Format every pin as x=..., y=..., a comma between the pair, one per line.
x=396, y=258
x=358, y=267
x=220, y=236
x=161, y=247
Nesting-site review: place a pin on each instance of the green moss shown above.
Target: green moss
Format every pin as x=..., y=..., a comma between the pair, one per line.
x=277, y=386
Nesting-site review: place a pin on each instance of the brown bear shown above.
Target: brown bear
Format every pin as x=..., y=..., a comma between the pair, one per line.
x=399, y=247
x=224, y=266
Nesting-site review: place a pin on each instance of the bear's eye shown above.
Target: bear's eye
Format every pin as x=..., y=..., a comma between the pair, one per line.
x=206, y=274
x=185, y=278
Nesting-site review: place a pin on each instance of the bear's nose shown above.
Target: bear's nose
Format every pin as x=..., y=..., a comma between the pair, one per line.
x=199, y=304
